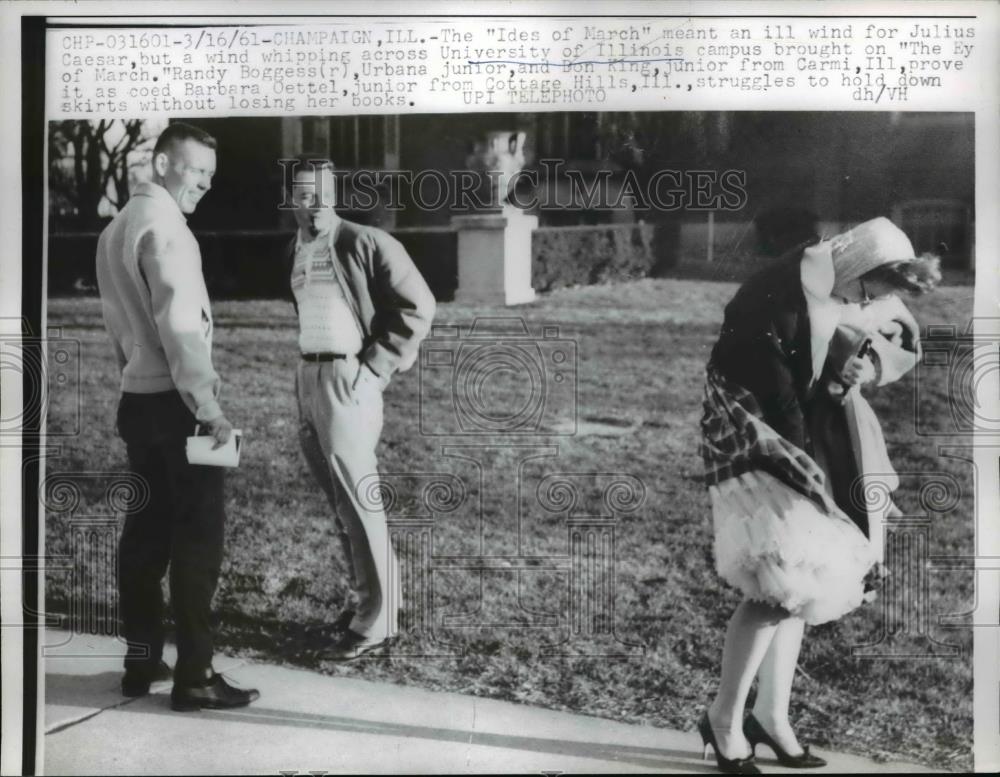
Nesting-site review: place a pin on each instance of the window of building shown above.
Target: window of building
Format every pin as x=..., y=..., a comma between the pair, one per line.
x=359, y=141
x=569, y=135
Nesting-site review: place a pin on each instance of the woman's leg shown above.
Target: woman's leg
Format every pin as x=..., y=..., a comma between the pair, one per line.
x=774, y=688
x=748, y=637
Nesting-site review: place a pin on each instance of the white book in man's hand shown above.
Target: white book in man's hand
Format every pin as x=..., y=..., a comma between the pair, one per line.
x=200, y=450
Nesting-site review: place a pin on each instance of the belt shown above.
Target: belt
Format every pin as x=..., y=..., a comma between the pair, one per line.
x=322, y=357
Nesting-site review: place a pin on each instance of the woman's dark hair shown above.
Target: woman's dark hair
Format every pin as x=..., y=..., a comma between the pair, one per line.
x=916, y=276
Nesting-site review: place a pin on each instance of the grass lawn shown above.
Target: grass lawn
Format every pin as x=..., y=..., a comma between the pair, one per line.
x=500, y=615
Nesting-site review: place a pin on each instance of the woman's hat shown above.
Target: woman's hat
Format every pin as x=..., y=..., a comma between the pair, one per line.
x=869, y=245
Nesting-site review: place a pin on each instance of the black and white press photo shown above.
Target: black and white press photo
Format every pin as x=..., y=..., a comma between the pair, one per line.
x=554, y=507
x=510, y=394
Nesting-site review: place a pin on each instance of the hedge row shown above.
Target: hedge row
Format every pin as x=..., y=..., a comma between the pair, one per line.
x=571, y=256
x=244, y=264
x=248, y=264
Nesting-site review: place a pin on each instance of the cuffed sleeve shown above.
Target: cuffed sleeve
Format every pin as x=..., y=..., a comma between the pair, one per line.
x=173, y=274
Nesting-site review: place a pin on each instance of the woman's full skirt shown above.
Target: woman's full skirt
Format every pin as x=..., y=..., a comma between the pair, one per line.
x=777, y=546
x=779, y=536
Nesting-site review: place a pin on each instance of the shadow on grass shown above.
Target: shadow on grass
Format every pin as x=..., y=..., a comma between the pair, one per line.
x=285, y=642
x=643, y=347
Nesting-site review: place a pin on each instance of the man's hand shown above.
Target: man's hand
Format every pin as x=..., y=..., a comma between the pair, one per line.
x=858, y=371
x=220, y=429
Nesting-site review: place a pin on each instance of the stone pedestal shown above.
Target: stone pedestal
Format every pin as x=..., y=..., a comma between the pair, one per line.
x=494, y=257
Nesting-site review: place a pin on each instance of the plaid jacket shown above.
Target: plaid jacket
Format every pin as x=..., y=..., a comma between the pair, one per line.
x=736, y=439
x=764, y=347
x=758, y=387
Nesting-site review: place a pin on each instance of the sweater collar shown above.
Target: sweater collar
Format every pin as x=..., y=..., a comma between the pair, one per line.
x=330, y=236
x=157, y=193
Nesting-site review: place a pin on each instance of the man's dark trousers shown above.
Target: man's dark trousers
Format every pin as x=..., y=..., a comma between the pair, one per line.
x=180, y=524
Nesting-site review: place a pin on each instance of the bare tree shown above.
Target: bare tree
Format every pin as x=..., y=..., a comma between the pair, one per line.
x=86, y=167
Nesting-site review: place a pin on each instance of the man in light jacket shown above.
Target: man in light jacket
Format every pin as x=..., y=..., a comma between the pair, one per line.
x=363, y=309
x=156, y=310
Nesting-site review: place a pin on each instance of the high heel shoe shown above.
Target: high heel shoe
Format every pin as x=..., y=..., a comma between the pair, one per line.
x=756, y=735
x=726, y=765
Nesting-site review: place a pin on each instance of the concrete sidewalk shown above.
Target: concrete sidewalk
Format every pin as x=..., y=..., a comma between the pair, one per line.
x=306, y=721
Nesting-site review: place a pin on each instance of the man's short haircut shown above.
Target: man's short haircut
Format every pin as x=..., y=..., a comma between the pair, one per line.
x=178, y=132
x=310, y=160
x=314, y=159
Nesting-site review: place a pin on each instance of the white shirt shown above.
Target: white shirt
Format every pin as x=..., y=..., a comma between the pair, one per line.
x=327, y=323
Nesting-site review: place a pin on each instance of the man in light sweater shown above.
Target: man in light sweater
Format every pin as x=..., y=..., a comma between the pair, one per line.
x=363, y=309
x=157, y=311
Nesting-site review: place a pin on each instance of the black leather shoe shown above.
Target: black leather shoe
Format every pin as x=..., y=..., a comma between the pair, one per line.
x=725, y=765
x=216, y=694
x=352, y=645
x=136, y=682
x=756, y=735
